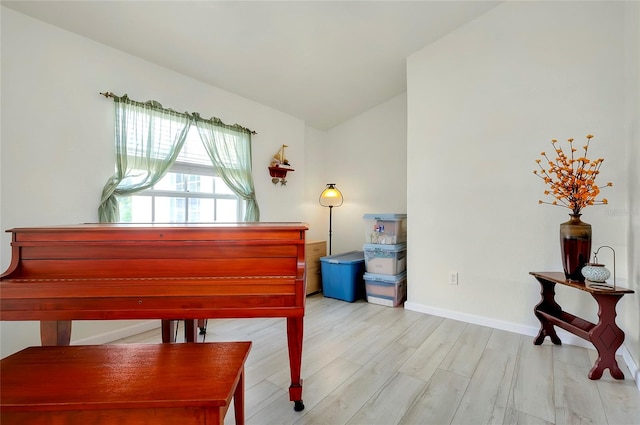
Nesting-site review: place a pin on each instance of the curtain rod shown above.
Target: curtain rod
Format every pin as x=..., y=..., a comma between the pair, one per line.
x=109, y=94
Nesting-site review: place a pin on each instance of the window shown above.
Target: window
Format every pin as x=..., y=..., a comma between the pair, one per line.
x=191, y=191
x=170, y=167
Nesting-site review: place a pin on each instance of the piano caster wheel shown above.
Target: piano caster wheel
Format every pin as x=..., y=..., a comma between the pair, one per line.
x=298, y=406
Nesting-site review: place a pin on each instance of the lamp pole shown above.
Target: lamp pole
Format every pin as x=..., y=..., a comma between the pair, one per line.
x=330, y=211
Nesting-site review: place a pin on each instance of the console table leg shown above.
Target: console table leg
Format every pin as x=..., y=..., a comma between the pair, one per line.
x=546, y=329
x=547, y=304
x=607, y=337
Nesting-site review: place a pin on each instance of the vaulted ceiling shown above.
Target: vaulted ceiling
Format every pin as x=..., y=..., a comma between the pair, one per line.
x=321, y=61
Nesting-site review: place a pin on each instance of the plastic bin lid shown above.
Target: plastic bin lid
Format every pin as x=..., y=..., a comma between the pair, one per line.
x=380, y=247
x=345, y=258
x=384, y=216
x=385, y=278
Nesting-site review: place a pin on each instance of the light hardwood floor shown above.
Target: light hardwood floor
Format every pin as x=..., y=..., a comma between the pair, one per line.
x=369, y=364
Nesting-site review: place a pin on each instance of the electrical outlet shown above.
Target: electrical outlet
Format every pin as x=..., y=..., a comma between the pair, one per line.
x=453, y=278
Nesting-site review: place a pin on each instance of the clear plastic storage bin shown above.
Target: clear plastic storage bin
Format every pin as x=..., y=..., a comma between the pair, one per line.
x=387, y=229
x=386, y=290
x=385, y=259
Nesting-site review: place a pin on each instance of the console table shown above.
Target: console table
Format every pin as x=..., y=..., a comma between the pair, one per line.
x=606, y=336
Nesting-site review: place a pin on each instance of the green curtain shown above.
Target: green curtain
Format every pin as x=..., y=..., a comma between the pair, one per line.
x=229, y=147
x=148, y=140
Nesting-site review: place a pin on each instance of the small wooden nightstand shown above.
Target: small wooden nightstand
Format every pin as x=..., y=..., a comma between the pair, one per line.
x=313, y=251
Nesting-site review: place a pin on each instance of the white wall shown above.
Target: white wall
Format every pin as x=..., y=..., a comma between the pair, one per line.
x=366, y=157
x=632, y=135
x=483, y=102
x=316, y=156
x=57, y=137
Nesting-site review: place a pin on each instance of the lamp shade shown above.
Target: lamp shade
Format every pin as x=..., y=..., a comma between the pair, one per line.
x=331, y=196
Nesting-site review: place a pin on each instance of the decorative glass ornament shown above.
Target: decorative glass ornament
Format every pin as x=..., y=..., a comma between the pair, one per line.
x=596, y=272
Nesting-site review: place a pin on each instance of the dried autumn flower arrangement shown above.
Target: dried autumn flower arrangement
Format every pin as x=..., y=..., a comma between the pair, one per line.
x=572, y=179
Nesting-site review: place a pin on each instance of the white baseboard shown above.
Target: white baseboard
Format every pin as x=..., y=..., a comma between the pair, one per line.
x=566, y=337
x=633, y=367
x=124, y=332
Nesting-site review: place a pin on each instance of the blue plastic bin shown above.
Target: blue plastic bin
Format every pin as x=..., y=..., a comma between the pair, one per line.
x=342, y=276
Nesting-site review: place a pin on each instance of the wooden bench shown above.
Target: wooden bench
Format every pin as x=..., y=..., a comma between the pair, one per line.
x=154, y=384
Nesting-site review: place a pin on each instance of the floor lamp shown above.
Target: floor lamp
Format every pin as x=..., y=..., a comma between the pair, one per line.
x=330, y=197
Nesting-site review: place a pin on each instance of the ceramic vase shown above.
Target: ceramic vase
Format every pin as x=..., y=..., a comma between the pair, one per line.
x=575, y=246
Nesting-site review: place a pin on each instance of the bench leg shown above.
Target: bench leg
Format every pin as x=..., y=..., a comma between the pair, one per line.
x=238, y=400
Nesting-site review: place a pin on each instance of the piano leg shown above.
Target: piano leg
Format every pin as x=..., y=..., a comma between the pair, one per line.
x=55, y=332
x=169, y=331
x=295, y=327
x=190, y=330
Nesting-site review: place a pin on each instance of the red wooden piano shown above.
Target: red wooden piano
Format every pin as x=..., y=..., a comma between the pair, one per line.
x=170, y=271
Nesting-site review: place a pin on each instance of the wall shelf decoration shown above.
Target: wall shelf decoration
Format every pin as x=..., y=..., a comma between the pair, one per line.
x=279, y=167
